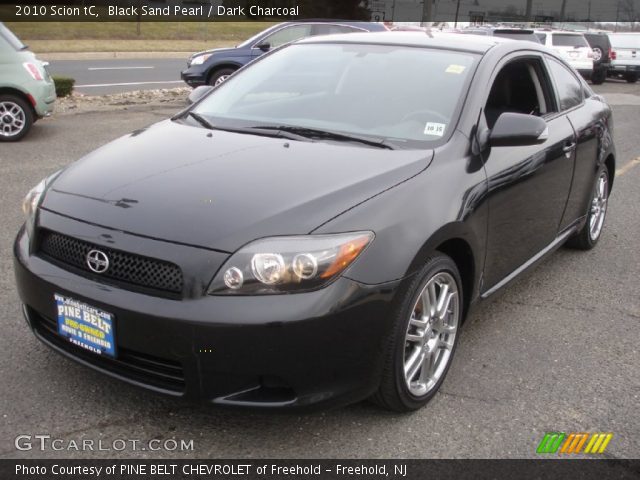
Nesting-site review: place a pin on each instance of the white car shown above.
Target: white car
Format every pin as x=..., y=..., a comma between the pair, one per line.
x=625, y=56
x=572, y=46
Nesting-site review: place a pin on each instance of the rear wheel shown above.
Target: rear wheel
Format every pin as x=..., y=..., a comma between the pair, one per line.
x=631, y=77
x=16, y=118
x=588, y=236
x=220, y=76
x=424, y=337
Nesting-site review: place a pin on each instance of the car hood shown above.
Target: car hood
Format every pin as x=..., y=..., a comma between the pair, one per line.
x=216, y=51
x=220, y=190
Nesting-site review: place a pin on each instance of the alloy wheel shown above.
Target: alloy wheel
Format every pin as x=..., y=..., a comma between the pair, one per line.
x=220, y=79
x=599, y=206
x=431, y=333
x=12, y=119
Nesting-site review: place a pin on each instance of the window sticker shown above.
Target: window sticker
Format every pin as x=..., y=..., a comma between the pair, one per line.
x=435, y=129
x=458, y=69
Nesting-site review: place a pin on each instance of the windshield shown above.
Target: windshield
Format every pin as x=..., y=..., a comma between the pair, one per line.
x=404, y=96
x=530, y=36
x=568, y=40
x=7, y=36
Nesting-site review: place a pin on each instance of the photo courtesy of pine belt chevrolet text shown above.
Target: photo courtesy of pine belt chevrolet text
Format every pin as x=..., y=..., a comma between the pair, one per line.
x=315, y=229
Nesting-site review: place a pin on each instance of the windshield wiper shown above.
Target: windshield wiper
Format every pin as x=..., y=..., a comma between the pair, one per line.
x=303, y=134
x=264, y=131
x=257, y=130
x=328, y=135
x=201, y=120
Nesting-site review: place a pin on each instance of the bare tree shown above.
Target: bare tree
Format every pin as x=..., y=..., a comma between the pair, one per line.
x=630, y=12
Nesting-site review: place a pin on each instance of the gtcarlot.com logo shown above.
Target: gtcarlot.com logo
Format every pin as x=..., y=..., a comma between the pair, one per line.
x=560, y=442
x=47, y=442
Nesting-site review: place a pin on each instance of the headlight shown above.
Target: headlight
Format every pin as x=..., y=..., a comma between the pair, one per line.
x=288, y=264
x=200, y=59
x=32, y=201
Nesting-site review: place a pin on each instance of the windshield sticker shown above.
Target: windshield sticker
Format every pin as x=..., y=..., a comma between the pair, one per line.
x=435, y=129
x=455, y=69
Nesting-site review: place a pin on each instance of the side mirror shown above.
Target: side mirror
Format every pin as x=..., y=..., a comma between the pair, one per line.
x=518, y=130
x=198, y=93
x=265, y=46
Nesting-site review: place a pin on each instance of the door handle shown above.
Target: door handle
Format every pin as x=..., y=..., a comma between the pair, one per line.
x=568, y=148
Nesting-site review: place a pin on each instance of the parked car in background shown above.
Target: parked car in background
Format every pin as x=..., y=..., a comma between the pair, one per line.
x=625, y=56
x=572, y=46
x=27, y=92
x=406, y=27
x=512, y=33
x=601, y=47
x=315, y=230
x=212, y=67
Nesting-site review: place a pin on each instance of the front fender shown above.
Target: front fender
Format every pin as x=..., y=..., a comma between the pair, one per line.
x=444, y=202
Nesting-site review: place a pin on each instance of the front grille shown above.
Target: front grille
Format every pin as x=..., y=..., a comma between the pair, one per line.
x=126, y=268
x=159, y=373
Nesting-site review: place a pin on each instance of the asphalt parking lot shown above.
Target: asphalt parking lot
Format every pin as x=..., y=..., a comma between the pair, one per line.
x=558, y=350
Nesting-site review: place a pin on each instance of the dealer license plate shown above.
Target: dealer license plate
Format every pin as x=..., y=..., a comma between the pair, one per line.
x=86, y=326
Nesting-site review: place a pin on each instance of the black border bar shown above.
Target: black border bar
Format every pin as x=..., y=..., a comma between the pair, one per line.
x=321, y=469
x=516, y=11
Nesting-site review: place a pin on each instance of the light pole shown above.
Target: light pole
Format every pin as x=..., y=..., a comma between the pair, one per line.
x=427, y=11
x=455, y=22
x=528, y=11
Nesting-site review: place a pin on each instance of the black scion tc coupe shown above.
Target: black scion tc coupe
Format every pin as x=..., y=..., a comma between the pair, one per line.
x=313, y=231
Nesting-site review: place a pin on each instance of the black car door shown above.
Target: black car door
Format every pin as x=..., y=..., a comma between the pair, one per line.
x=585, y=116
x=528, y=185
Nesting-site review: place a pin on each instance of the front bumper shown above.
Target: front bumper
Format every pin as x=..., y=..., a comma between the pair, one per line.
x=43, y=93
x=319, y=348
x=194, y=76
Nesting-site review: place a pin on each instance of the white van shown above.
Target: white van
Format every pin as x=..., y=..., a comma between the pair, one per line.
x=625, y=56
x=572, y=46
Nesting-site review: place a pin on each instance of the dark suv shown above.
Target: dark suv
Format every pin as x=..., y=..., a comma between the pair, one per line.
x=212, y=67
x=601, y=46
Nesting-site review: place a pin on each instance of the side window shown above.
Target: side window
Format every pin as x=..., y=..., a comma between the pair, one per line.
x=329, y=29
x=542, y=37
x=287, y=35
x=519, y=87
x=567, y=85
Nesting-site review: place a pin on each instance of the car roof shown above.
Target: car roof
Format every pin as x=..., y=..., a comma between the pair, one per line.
x=447, y=41
x=564, y=32
x=351, y=23
x=500, y=29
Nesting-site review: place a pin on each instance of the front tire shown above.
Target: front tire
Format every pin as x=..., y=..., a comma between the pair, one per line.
x=631, y=77
x=220, y=76
x=16, y=118
x=587, y=237
x=424, y=336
